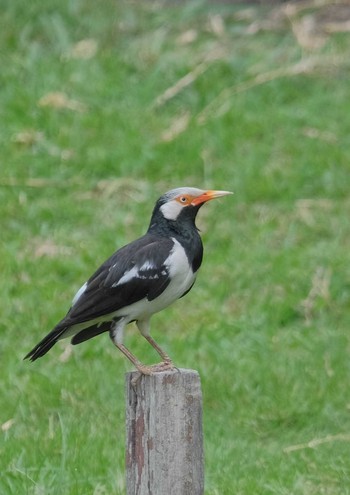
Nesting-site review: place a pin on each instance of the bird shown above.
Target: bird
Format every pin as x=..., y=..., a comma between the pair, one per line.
x=139, y=280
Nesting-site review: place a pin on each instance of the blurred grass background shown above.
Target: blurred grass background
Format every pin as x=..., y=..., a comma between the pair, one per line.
x=104, y=106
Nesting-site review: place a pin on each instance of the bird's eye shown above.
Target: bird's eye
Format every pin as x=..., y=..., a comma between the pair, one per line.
x=184, y=200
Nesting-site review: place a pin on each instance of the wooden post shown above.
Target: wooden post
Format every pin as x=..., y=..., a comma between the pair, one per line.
x=164, y=439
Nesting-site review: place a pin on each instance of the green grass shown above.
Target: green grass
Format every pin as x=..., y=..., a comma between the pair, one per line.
x=267, y=324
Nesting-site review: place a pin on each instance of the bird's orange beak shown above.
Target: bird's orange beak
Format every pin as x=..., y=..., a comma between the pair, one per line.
x=208, y=195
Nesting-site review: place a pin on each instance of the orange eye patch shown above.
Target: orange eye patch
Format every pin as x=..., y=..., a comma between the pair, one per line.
x=184, y=199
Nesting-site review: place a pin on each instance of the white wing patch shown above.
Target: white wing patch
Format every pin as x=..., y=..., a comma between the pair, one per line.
x=79, y=293
x=147, y=266
x=137, y=272
x=127, y=276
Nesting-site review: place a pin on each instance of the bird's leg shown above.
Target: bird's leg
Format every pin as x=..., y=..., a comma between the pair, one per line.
x=165, y=357
x=166, y=364
x=116, y=333
x=142, y=368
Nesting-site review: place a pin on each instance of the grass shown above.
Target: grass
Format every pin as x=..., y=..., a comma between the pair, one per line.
x=267, y=323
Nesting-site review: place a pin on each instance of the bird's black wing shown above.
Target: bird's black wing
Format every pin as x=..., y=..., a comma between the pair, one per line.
x=135, y=272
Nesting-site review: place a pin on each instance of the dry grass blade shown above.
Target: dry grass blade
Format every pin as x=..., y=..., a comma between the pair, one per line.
x=337, y=27
x=294, y=8
x=341, y=437
x=84, y=49
x=308, y=33
x=190, y=77
x=8, y=424
x=59, y=100
x=319, y=289
x=181, y=84
x=327, y=136
x=222, y=103
x=37, y=182
x=48, y=248
x=177, y=127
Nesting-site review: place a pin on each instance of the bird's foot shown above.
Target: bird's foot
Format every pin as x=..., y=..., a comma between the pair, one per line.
x=144, y=369
x=163, y=366
x=155, y=368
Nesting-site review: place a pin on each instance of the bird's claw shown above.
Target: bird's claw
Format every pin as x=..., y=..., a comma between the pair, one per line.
x=155, y=368
x=163, y=366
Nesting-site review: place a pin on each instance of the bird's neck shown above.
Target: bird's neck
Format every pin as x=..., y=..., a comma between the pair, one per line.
x=184, y=231
x=162, y=226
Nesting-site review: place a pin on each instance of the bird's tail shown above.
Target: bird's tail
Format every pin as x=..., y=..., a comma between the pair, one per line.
x=46, y=343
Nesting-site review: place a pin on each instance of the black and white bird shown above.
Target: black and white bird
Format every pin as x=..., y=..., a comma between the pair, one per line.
x=139, y=280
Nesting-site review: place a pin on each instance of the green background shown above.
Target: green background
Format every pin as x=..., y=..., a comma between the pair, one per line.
x=103, y=107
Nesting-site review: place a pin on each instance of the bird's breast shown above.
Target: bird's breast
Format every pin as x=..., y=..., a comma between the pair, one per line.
x=180, y=272
x=181, y=278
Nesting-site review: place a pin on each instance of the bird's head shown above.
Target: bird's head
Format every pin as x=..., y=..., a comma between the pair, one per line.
x=184, y=202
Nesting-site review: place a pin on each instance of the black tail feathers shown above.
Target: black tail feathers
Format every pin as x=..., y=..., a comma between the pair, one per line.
x=45, y=344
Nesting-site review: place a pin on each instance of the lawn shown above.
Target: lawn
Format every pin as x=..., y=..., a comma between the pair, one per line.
x=103, y=107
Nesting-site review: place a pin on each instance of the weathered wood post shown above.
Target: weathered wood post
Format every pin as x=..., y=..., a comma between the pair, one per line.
x=164, y=438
